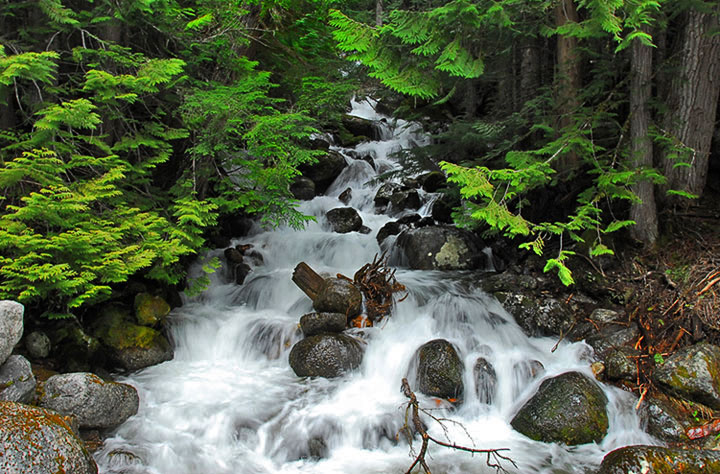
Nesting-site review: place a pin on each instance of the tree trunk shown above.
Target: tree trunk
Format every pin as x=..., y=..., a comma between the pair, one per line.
x=378, y=12
x=568, y=80
x=529, y=69
x=644, y=213
x=692, y=102
x=307, y=280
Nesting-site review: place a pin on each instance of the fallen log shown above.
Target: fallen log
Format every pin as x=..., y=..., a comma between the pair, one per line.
x=307, y=280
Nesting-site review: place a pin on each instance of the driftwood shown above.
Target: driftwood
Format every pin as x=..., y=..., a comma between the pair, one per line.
x=307, y=280
x=493, y=458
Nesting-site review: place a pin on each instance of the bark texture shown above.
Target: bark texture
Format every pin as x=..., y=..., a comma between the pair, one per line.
x=568, y=80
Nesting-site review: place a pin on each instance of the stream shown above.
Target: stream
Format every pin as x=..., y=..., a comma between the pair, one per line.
x=230, y=403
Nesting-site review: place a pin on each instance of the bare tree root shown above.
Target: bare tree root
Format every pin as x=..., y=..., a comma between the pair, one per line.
x=493, y=458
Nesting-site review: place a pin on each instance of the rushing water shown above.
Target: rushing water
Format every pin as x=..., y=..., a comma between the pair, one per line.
x=230, y=403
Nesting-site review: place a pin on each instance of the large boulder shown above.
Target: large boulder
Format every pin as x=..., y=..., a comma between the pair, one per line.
x=692, y=373
x=569, y=408
x=131, y=346
x=439, y=370
x=325, y=170
x=302, y=188
x=344, y=220
x=665, y=419
x=338, y=295
x=317, y=323
x=660, y=460
x=11, y=327
x=73, y=347
x=441, y=248
x=150, y=310
x=537, y=315
x=360, y=127
x=35, y=440
x=326, y=355
x=17, y=382
x=396, y=197
x=94, y=402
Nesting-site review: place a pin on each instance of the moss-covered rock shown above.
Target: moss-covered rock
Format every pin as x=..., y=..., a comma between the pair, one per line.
x=150, y=310
x=660, y=460
x=36, y=440
x=73, y=347
x=438, y=370
x=569, y=408
x=692, y=373
x=131, y=346
x=441, y=248
x=665, y=420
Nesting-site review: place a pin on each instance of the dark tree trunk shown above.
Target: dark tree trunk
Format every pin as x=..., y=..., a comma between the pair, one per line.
x=568, y=80
x=529, y=69
x=378, y=12
x=644, y=213
x=692, y=101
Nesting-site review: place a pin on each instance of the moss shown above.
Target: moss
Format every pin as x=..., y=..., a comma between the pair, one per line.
x=149, y=309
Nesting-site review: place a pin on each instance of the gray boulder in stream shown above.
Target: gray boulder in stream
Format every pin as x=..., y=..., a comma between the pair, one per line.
x=17, y=382
x=312, y=324
x=439, y=370
x=326, y=355
x=441, y=248
x=11, y=327
x=344, y=220
x=692, y=373
x=569, y=408
x=94, y=402
x=325, y=170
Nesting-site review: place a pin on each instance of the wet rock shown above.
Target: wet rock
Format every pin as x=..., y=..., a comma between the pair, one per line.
x=11, y=327
x=338, y=295
x=324, y=171
x=241, y=272
x=302, y=188
x=131, y=346
x=612, y=336
x=621, y=364
x=439, y=370
x=316, y=323
x=569, y=408
x=525, y=372
x=432, y=181
x=485, y=380
x=391, y=228
x=440, y=248
x=150, y=310
x=35, y=440
x=664, y=420
x=660, y=460
x=38, y=344
x=346, y=196
x=443, y=208
x=537, y=315
x=396, y=197
x=344, y=220
x=360, y=127
x=17, y=382
x=692, y=373
x=326, y=355
x=74, y=347
x=94, y=402
x=233, y=256
x=365, y=230
x=508, y=282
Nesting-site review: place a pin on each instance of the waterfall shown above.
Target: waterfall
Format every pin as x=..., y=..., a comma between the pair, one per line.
x=230, y=403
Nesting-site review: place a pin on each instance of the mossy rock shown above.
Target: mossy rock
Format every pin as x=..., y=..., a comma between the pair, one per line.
x=36, y=440
x=660, y=460
x=569, y=409
x=150, y=310
x=439, y=370
x=692, y=373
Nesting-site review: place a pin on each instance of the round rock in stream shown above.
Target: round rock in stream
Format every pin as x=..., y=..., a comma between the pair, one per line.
x=660, y=460
x=94, y=402
x=441, y=248
x=439, y=370
x=344, y=220
x=338, y=295
x=569, y=408
x=11, y=327
x=326, y=355
x=38, y=441
x=316, y=323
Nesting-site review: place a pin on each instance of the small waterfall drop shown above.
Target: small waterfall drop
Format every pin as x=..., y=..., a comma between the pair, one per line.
x=229, y=402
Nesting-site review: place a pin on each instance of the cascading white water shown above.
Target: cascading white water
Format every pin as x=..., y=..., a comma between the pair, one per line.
x=230, y=403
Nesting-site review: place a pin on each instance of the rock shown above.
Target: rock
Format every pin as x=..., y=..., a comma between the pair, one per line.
x=17, y=382
x=443, y=207
x=302, y=188
x=440, y=248
x=131, y=346
x=11, y=327
x=326, y=355
x=360, y=127
x=439, y=371
x=391, y=228
x=233, y=256
x=692, y=373
x=150, y=310
x=664, y=420
x=74, y=348
x=508, y=282
x=485, y=380
x=569, y=408
x=660, y=460
x=324, y=171
x=525, y=372
x=94, y=402
x=610, y=337
x=621, y=364
x=346, y=196
x=344, y=220
x=241, y=272
x=605, y=316
x=316, y=323
x=37, y=441
x=38, y=344
x=397, y=197
x=432, y=181
x=338, y=295
x=537, y=315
